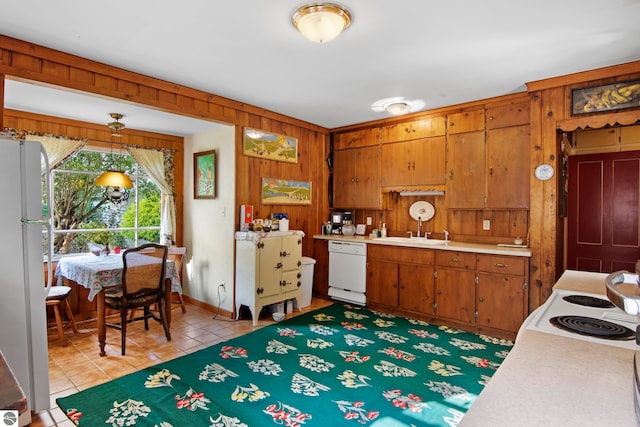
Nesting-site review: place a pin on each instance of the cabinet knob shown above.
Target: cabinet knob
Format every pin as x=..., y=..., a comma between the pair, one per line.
x=284, y=254
x=299, y=283
x=279, y=265
x=481, y=299
x=439, y=292
x=408, y=166
x=259, y=291
x=299, y=263
x=299, y=275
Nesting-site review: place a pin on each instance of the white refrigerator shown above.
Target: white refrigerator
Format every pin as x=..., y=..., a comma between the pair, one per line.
x=23, y=322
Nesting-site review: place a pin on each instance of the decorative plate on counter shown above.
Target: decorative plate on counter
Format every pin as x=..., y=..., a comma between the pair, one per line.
x=422, y=210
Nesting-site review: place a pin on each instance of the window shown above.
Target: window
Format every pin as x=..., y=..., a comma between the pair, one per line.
x=82, y=214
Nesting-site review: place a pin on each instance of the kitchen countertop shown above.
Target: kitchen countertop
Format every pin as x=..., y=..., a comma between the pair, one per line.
x=550, y=380
x=449, y=246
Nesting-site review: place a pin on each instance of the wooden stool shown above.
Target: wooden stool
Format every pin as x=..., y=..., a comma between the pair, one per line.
x=58, y=295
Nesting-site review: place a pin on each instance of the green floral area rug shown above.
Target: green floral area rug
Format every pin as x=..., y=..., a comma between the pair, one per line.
x=340, y=365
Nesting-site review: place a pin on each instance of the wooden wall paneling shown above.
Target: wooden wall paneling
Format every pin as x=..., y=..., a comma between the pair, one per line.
x=1, y=101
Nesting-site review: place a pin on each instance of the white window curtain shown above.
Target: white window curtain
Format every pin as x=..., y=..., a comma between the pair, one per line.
x=152, y=162
x=58, y=148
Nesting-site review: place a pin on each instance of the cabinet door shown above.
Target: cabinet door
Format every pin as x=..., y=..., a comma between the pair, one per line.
x=455, y=294
x=467, y=121
x=291, y=259
x=269, y=269
x=416, y=288
x=428, y=161
x=396, y=163
x=508, y=115
x=508, y=168
x=416, y=129
x=382, y=283
x=466, y=162
x=344, y=178
x=358, y=138
x=501, y=301
x=367, y=186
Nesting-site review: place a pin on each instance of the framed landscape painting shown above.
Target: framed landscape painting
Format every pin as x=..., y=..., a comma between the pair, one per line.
x=204, y=175
x=281, y=148
x=285, y=192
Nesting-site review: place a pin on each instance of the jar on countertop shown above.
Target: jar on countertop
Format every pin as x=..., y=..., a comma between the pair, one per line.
x=348, y=229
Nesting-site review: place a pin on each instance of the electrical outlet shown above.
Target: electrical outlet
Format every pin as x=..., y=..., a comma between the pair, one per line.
x=223, y=212
x=486, y=224
x=369, y=220
x=222, y=285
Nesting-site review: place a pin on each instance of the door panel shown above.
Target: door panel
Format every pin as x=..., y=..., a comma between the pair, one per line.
x=604, y=212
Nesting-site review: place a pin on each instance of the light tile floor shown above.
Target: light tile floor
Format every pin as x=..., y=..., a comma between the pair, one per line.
x=79, y=365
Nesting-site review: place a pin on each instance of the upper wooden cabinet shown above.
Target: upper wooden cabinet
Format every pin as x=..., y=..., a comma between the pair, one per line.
x=508, y=115
x=467, y=121
x=414, y=162
x=356, y=178
x=356, y=139
x=417, y=129
x=508, y=170
x=466, y=170
x=607, y=140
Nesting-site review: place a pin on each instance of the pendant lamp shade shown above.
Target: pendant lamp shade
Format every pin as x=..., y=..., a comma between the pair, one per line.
x=113, y=178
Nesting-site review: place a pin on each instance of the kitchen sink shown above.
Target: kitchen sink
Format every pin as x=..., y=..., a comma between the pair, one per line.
x=412, y=240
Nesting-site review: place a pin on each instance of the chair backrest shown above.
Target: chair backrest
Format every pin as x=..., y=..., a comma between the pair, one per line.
x=144, y=269
x=176, y=254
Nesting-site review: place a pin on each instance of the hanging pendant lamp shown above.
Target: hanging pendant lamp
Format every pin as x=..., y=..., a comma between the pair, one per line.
x=116, y=182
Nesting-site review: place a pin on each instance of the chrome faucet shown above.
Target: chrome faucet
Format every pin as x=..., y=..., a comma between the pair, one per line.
x=419, y=226
x=446, y=235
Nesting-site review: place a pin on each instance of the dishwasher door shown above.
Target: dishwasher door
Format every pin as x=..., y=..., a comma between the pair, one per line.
x=348, y=271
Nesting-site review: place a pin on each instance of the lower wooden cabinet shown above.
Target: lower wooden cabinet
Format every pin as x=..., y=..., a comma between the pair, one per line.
x=502, y=292
x=400, y=278
x=484, y=292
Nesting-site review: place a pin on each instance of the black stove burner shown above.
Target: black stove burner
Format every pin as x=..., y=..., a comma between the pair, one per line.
x=593, y=327
x=588, y=301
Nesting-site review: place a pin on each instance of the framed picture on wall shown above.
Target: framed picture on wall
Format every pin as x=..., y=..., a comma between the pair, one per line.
x=285, y=192
x=604, y=98
x=271, y=146
x=204, y=175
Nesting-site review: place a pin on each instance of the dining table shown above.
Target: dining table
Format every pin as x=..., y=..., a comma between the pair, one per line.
x=97, y=273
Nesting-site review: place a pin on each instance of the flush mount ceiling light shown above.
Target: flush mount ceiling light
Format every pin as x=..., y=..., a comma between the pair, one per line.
x=397, y=106
x=116, y=126
x=321, y=22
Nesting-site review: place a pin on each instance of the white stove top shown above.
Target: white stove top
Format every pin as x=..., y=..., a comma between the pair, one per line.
x=556, y=306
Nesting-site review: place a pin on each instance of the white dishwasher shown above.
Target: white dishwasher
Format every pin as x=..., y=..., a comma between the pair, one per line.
x=348, y=271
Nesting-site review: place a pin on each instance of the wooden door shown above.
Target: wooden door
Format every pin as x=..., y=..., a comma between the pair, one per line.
x=344, y=174
x=429, y=157
x=466, y=164
x=508, y=168
x=500, y=301
x=416, y=288
x=368, y=193
x=455, y=294
x=604, y=212
x=382, y=283
x=396, y=164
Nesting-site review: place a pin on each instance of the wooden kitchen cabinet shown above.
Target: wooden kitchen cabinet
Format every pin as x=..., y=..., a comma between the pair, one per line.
x=500, y=116
x=467, y=121
x=502, y=292
x=466, y=170
x=455, y=282
x=416, y=129
x=508, y=170
x=400, y=278
x=357, y=178
x=355, y=139
x=418, y=162
x=268, y=271
x=321, y=270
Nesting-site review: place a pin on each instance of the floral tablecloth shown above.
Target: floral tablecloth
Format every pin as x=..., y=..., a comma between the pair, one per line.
x=98, y=272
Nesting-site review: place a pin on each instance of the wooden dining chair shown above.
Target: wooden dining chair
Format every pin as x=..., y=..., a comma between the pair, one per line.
x=143, y=284
x=176, y=254
x=59, y=295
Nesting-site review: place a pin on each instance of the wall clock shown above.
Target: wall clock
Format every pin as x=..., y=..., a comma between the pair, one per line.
x=544, y=172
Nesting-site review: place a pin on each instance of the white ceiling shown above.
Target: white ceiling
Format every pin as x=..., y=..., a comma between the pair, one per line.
x=443, y=53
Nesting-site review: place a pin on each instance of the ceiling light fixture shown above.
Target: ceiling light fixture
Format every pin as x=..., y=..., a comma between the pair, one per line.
x=115, y=181
x=116, y=126
x=397, y=105
x=398, y=108
x=321, y=22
